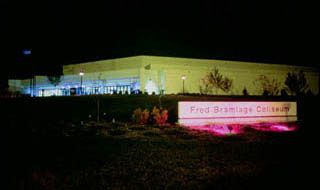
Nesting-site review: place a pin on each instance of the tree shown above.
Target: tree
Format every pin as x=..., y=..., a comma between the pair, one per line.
x=226, y=84
x=267, y=86
x=215, y=80
x=206, y=88
x=54, y=80
x=296, y=84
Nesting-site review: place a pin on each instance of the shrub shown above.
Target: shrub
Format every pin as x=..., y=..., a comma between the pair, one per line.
x=164, y=116
x=309, y=93
x=160, y=116
x=103, y=132
x=284, y=92
x=245, y=92
x=265, y=93
x=140, y=116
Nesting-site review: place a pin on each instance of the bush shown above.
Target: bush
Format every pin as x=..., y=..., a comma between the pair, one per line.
x=284, y=92
x=140, y=116
x=309, y=93
x=160, y=116
x=265, y=93
x=245, y=92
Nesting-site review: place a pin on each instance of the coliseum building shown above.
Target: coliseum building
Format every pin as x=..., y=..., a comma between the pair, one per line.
x=154, y=74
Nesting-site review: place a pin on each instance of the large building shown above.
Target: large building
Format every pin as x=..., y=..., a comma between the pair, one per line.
x=154, y=74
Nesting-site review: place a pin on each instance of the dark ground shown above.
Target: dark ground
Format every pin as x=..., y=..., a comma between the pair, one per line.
x=52, y=152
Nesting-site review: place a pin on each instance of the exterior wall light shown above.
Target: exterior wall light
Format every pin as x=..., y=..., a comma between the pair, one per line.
x=81, y=75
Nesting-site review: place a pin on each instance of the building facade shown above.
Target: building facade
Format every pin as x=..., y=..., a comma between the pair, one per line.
x=154, y=74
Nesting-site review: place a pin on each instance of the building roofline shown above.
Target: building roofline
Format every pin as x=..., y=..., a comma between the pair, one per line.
x=203, y=59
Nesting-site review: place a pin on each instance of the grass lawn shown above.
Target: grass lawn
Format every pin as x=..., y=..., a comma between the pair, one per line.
x=46, y=146
x=123, y=156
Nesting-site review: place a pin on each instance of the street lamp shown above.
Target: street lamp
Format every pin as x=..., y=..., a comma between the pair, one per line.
x=81, y=75
x=27, y=53
x=183, y=77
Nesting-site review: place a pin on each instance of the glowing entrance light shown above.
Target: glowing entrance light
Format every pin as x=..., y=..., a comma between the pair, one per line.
x=151, y=87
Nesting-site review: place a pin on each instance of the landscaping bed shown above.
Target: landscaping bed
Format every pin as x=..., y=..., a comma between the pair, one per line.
x=127, y=156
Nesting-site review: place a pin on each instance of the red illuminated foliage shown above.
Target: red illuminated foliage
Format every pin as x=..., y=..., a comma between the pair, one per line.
x=160, y=116
x=140, y=116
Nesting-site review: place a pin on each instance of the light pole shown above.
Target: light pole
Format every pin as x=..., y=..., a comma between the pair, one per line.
x=27, y=52
x=183, y=77
x=81, y=75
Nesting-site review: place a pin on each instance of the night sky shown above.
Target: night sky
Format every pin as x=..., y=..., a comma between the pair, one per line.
x=64, y=32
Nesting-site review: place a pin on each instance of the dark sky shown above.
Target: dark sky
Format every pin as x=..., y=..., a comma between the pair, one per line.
x=64, y=32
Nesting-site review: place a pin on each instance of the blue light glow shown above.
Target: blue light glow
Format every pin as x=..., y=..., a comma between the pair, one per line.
x=26, y=52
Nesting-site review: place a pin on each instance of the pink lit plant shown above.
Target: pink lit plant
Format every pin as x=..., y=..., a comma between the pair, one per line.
x=233, y=129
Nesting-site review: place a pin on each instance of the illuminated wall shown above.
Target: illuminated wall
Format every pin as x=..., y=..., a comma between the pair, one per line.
x=156, y=74
x=242, y=73
x=120, y=64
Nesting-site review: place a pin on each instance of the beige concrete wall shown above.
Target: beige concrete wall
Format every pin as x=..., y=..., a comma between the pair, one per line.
x=243, y=74
x=166, y=72
x=15, y=86
x=104, y=65
x=125, y=73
